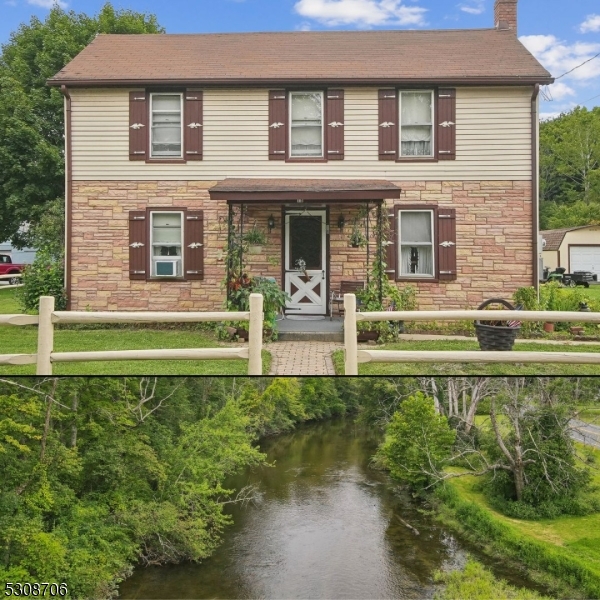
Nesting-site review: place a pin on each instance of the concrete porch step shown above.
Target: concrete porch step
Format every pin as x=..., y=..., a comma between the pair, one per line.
x=310, y=336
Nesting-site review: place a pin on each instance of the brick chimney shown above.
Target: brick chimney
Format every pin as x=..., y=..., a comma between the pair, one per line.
x=505, y=15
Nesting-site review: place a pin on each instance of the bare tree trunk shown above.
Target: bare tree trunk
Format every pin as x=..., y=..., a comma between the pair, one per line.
x=48, y=421
x=436, y=399
x=74, y=405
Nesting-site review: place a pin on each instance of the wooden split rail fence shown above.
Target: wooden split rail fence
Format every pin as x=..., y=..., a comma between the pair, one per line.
x=353, y=355
x=48, y=317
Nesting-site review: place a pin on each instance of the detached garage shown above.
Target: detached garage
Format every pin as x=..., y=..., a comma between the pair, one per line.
x=575, y=249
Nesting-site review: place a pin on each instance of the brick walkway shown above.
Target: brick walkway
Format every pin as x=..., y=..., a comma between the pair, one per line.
x=302, y=358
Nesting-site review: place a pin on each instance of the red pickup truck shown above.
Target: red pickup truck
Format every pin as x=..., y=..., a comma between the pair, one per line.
x=10, y=270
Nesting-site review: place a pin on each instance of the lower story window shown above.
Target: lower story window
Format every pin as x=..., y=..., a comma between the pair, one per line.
x=415, y=233
x=167, y=241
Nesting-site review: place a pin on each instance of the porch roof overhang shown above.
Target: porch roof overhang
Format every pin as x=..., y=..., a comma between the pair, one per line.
x=301, y=190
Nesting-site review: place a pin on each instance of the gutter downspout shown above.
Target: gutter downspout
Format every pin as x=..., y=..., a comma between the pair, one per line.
x=68, y=193
x=535, y=185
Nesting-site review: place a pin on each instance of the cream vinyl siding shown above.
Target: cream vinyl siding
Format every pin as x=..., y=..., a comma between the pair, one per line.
x=493, y=139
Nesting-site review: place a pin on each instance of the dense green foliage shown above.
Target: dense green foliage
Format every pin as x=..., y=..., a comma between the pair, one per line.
x=99, y=473
x=44, y=277
x=570, y=169
x=417, y=443
x=32, y=171
x=475, y=582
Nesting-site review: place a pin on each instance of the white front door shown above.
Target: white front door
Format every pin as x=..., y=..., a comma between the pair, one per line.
x=306, y=261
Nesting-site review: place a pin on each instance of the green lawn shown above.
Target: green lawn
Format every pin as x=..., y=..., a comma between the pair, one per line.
x=454, y=369
x=8, y=304
x=23, y=340
x=576, y=537
x=593, y=292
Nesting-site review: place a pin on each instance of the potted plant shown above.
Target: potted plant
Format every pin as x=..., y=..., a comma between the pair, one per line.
x=274, y=301
x=357, y=238
x=255, y=240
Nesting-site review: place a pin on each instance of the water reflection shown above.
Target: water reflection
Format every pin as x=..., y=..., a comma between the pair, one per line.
x=327, y=526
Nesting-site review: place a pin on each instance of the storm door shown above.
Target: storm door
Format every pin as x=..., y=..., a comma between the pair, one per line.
x=306, y=261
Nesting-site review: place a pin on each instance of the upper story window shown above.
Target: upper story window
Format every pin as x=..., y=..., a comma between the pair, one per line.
x=416, y=123
x=166, y=125
x=306, y=124
x=166, y=232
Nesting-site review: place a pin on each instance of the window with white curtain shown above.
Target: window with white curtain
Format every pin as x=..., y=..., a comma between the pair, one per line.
x=415, y=236
x=416, y=123
x=166, y=131
x=306, y=124
x=166, y=239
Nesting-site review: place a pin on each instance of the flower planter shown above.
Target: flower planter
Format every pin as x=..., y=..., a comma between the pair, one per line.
x=365, y=336
x=255, y=249
x=242, y=334
x=495, y=336
x=548, y=327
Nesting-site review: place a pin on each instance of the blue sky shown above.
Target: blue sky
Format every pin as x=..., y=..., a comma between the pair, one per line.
x=561, y=33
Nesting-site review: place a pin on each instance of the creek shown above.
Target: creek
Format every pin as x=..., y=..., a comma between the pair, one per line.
x=325, y=525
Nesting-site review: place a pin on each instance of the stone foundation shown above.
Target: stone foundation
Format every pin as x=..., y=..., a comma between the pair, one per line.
x=494, y=244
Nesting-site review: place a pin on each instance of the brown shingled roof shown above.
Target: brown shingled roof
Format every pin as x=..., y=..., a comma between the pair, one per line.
x=554, y=237
x=445, y=56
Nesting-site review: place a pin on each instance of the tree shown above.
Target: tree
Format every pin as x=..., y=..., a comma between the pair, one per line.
x=31, y=113
x=417, y=443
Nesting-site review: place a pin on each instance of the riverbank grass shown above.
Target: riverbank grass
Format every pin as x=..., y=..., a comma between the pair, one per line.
x=566, y=548
x=457, y=369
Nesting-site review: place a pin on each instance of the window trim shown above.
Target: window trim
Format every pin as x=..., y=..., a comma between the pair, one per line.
x=288, y=126
x=433, y=209
x=418, y=159
x=434, y=95
x=150, y=255
x=166, y=158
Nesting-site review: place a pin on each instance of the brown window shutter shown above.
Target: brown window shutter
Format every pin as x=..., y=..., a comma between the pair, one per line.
x=335, y=124
x=446, y=129
x=138, y=125
x=193, y=240
x=388, y=125
x=277, y=124
x=446, y=240
x=193, y=125
x=138, y=244
x=391, y=258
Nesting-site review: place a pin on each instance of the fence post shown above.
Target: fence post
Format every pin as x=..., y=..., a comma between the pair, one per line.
x=45, y=336
x=350, y=341
x=255, y=333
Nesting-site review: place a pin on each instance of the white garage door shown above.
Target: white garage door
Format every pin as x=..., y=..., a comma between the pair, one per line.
x=585, y=258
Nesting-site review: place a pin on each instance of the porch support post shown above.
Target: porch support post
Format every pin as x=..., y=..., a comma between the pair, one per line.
x=242, y=239
x=368, y=248
x=229, y=248
x=380, y=249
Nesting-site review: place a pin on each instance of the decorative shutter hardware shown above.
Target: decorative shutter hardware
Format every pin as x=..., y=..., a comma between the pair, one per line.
x=447, y=245
x=138, y=218
x=191, y=97
x=137, y=126
x=276, y=125
x=278, y=97
x=191, y=152
x=195, y=245
x=336, y=124
x=387, y=124
x=192, y=218
x=388, y=243
x=193, y=272
x=447, y=124
x=140, y=152
x=333, y=151
x=388, y=96
x=279, y=152
x=445, y=217
x=390, y=152
x=138, y=272
x=195, y=125
x=446, y=152
x=445, y=96
x=137, y=245
x=447, y=272
x=139, y=98
x=333, y=97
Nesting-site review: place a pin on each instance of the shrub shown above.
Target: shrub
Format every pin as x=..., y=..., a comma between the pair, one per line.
x=45, y=277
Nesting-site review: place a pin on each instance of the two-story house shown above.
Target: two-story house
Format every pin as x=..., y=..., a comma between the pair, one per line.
x=175, y=143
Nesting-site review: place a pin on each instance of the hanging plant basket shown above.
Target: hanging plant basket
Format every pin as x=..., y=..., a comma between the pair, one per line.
x=496, y=335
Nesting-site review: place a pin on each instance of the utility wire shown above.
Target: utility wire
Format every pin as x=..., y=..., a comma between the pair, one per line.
x=578, y=66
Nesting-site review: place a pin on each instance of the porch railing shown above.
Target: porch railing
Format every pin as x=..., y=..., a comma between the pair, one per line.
x=48, y=317
x=353, y=355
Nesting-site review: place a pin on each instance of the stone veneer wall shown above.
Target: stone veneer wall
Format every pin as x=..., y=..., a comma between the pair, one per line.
x=494, y=243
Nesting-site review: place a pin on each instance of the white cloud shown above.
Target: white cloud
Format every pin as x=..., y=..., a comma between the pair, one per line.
x=366, y=13
x=48, y=3
x=591, y=23
x=304, y=26
x=475, y=7
x=548, y=116
x=559, y=57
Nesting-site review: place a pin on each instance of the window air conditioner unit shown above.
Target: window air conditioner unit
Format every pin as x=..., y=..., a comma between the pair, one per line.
x=166, y=268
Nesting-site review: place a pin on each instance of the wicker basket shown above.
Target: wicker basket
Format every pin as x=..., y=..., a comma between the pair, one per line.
x=495, y=337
